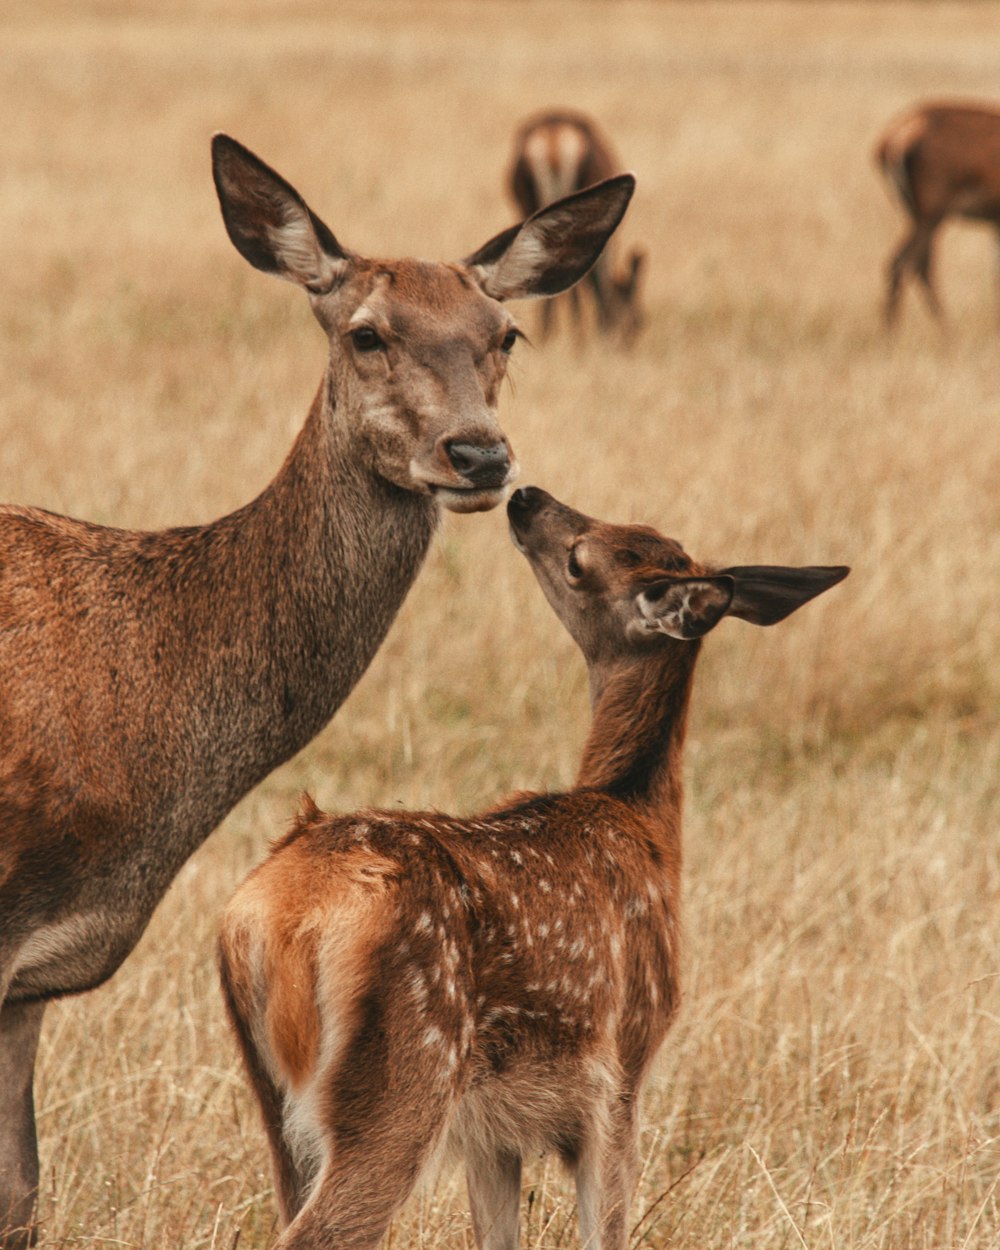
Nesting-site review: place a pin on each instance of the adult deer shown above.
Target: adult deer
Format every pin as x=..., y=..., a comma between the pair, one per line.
x=556, y=154
x=149, y=680
x=399, y=982
x=943, y=161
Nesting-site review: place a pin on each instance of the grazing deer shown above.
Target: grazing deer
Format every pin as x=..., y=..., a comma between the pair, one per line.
x=403, y=981
x=149, y=680
x=556, y=154
x=943, y=161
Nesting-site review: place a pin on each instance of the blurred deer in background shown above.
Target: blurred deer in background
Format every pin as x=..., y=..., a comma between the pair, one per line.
x=943, y=161
x=556, y=154
x=149, y=680
x=399, y=982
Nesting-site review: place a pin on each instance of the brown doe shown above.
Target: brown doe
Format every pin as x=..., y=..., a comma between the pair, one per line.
x=555, y=154
x=405, y=982
x=943, y=160
x=149, y=680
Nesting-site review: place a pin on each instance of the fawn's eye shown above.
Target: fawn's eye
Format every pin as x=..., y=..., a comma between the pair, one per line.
x=365, y=339
x=509, y=339
x=573, y=566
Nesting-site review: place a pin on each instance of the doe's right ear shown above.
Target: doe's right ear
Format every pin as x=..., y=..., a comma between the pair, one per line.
x=270, y=224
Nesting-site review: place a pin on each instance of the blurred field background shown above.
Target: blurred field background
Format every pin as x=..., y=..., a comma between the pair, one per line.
x=833, y=1080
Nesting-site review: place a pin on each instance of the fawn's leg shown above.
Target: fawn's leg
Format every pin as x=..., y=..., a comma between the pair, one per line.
x=606, y=1173
x=383, y=1107
x=373, y=1164
x=290, y=1187
x=494, y=1182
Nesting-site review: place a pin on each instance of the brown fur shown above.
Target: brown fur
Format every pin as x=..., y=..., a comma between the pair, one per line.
x=149, y=680
x=515, y=974
x=556, y=153
x=943, y=160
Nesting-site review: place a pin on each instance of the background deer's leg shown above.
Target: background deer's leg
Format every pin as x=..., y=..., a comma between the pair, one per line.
x=573, y=301
x=20, y=1026
x=996, y=262
x=548, y=318
x=922, y=266
x=494, y=1182
x=599, y=281
x=912, y=256
x=899, y=264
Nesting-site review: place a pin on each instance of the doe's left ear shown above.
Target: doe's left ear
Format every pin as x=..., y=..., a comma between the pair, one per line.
x=684, y=607
x=765, y=594
x=554, y=247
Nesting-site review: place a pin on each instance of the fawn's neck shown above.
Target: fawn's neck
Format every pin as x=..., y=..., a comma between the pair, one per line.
x=636, y=740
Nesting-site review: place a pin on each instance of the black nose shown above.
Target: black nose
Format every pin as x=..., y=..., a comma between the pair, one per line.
x=524, y=501
x=480, y=466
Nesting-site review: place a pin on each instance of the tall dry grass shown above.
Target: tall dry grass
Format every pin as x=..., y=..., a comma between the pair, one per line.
x=832, y=1080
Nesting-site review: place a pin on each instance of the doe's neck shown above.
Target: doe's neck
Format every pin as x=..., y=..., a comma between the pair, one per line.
x=329, y=513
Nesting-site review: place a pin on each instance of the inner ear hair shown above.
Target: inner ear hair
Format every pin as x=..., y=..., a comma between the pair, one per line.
x=686, y=607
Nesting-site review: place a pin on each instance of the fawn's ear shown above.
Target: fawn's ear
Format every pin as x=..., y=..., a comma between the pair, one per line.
x=765, y=594
x=685, y=607
x=270, y=224
x=554, y=247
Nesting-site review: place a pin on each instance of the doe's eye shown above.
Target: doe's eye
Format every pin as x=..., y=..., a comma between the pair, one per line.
x=365, y=339
x=573, y=566
x=509, y=339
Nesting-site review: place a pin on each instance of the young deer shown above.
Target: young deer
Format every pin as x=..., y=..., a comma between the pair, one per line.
x=149, y=680
x=943, y=160
x=399, y=982
x=554, y=155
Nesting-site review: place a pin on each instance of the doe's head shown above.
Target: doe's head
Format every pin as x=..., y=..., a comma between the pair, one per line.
x=620, y=589
x=418, y=349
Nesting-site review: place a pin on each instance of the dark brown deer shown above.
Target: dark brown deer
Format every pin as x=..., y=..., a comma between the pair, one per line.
x=556, y=154
x=149, y=680
x=943, y=160
x=403, y=982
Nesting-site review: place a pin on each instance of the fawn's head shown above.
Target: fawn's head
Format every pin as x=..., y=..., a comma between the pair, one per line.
x=418, y=349
x=623, y=589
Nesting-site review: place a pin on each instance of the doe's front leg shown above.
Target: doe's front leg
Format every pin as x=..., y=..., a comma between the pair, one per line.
x=20, y=1027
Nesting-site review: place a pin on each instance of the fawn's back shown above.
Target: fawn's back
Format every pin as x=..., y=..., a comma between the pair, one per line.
x=521, y=959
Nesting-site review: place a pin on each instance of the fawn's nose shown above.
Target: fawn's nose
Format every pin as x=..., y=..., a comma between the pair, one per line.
x=485, y=467
x=524, y=501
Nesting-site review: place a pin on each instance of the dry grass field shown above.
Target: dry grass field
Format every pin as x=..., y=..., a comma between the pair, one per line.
x=833, y=1080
